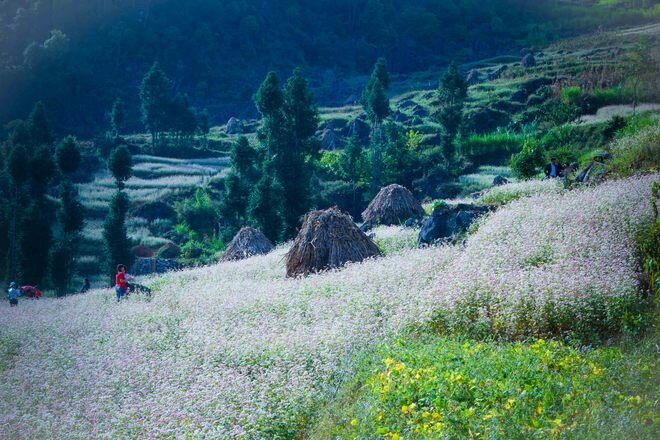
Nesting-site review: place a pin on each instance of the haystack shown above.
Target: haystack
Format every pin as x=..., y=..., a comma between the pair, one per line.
x=247, y=243
x=328, y=239
x=393, y=205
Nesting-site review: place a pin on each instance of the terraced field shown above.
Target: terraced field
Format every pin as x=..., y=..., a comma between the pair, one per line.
x=155, y=179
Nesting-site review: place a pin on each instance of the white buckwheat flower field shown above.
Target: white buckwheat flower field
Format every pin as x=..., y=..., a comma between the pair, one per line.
x=236, y=350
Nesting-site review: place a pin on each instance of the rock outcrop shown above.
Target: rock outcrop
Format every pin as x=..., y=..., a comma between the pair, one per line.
x=447, y=222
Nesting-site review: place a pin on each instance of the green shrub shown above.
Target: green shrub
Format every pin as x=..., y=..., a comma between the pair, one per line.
x=199, y=213
x=571, y=95
x=525, y=164
x=637, y=153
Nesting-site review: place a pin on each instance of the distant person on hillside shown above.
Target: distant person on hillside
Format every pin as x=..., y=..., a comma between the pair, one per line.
x=86, y=286
x=121, y=282
x=553, y=169
x=31, y=291
x=12, y=294
x=567, y=170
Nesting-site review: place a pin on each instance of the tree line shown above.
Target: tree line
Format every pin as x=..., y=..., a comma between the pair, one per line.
x=79, y=57
x=41, y=217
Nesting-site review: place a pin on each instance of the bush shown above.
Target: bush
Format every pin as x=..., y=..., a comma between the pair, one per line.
x=199, y=213
x=525, y=164
x=637, y=153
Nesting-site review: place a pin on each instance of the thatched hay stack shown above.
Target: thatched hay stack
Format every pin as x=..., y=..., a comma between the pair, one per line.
x=328, y=239
x=247, y=243
x=393, y=205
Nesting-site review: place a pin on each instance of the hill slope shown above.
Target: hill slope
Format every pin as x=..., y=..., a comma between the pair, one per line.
x=236, y=349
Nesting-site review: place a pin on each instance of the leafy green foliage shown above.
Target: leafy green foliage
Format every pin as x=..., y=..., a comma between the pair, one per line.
x=525, y=164
x=68, y=156
x=266, y=204
x=452, y=94
x=289, y=120
x=437, y=387
x=38, y=126
x=199, y=213
x=34, y=241
x=117, y=243
x=633, y=154
x=120, y=165
x=154, y=94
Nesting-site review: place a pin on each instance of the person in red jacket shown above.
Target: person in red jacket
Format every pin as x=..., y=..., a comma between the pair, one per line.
x=121, y=282
x=31, y=292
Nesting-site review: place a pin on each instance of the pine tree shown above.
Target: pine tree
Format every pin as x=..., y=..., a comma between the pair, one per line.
x=452, y=93
x=294, y=170
x=117, y=116
x=38, y=126
x=70, y=217
x=154, y=94
x=117, y=243
x=266, y=205
x=120, y=165
x=376, y=105
x=34, y=242
x=115, y=235
x=17, y=167
x=302, y=114
x=240, y=181
x=289, y=120
x=381, y=72
x=42, y=170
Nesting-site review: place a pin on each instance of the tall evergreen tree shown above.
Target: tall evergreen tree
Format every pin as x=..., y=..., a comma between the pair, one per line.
x=115, y=234
x=120, y=165
x=117, y=116
x=117, y=242
x=240, y=181
x=452, y=94
x=289, y=120
x=155, y=97
x=295, y=170
x=266, y=204
x=38, y=126
x=70, y=216
x=17, y=171
x=376, y=105
x=34, y=242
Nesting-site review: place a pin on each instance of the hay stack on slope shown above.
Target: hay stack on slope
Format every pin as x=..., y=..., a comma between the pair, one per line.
x=328, y=239
x=393, y=205
x=247, y=243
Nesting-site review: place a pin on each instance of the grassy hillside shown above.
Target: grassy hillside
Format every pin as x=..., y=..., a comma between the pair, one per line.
x=506, y=107
x=237, y=350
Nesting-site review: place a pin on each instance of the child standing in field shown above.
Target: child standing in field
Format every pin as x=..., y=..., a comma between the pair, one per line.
x=13, y=293
x=121, y=282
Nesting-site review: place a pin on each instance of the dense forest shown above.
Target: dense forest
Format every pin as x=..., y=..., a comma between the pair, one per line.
x=78, y=57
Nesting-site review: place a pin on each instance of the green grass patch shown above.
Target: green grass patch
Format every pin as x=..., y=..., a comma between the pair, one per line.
x=439, y=387
x=9, y=346
x=492, y=147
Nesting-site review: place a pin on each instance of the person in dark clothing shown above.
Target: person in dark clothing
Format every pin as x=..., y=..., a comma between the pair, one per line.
x=553, y=169
x=86, y=286
x=12, y=294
